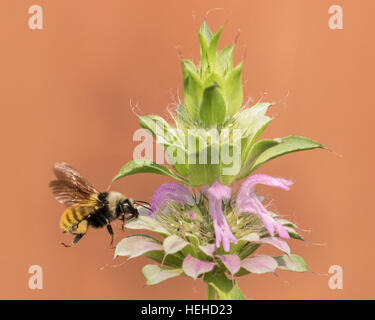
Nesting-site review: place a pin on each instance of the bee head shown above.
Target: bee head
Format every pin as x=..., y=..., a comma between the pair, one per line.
x=126, y=210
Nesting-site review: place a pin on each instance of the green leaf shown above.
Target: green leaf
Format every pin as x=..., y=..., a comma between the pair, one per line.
x=169, y=138
x=155, y=274
x=233, y=90
x=146, y=166
x=202, y=174
x=248, y=118
x=242, y=242
x=204, y=156
x=205, y=31
x=177, y=157
x=225, y=288
x=291, y=262
x=213, y=79
x=212, y=47
x=285, y=222
x=193, y=239
x=183, y=118
x=248, y=249
x=295, y=235
x=257, y=149
x=203, y=64
x=190, y=66
x=213, y=107
x=172, y=260
x=193, y=89
x=160, y=129
x=230, y=161
x=253, y=122
x=224, y=60
x=288, y=145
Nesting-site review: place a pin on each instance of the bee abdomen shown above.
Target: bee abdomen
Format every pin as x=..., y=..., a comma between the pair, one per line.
x=73, y=215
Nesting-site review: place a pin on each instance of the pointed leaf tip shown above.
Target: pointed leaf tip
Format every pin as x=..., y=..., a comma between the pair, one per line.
x=278, y=243
x=205, y=31
x=292, y=262
x=146, y=166
x=287, y=145
x=155, y=274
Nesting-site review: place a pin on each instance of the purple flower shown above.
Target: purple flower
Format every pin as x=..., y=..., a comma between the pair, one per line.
x=247, y=201
x=216, y=194
x=170, y=192
x=192, y=214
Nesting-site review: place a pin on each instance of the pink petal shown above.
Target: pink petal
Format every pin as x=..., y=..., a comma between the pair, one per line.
x=219, y=191
x=247, y=201
x=223, y=234
x=259, y=264
x=281, y=230
x=194, y=267
x=192, y=214
x=249, y=184
x=231, y=261
x=216, y=193
x=278, y=243
x=170, y=192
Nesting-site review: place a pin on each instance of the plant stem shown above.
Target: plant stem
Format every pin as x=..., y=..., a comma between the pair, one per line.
x=225, y=289
x=211, y=293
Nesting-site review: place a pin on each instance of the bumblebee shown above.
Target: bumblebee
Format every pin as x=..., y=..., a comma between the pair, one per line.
x=87, y=207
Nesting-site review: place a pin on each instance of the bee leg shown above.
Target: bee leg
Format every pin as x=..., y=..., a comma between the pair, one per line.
x=80, y=232
x=75, y=241
x=110, y=230
x=123, y=223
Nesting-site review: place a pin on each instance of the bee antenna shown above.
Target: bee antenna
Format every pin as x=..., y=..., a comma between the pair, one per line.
x=148, y=208
x=140, y=201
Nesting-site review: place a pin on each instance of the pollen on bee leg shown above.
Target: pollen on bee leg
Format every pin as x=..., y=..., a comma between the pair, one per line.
x=82, y=227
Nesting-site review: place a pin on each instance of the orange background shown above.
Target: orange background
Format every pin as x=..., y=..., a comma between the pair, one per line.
x=65, y=96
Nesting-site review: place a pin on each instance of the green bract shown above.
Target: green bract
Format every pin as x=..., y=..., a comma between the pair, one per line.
x=214, y=137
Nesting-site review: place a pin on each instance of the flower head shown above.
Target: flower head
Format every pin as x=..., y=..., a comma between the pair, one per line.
x=211, y=233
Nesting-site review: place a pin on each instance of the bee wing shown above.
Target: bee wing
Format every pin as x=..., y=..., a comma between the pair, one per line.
x=70, y=187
